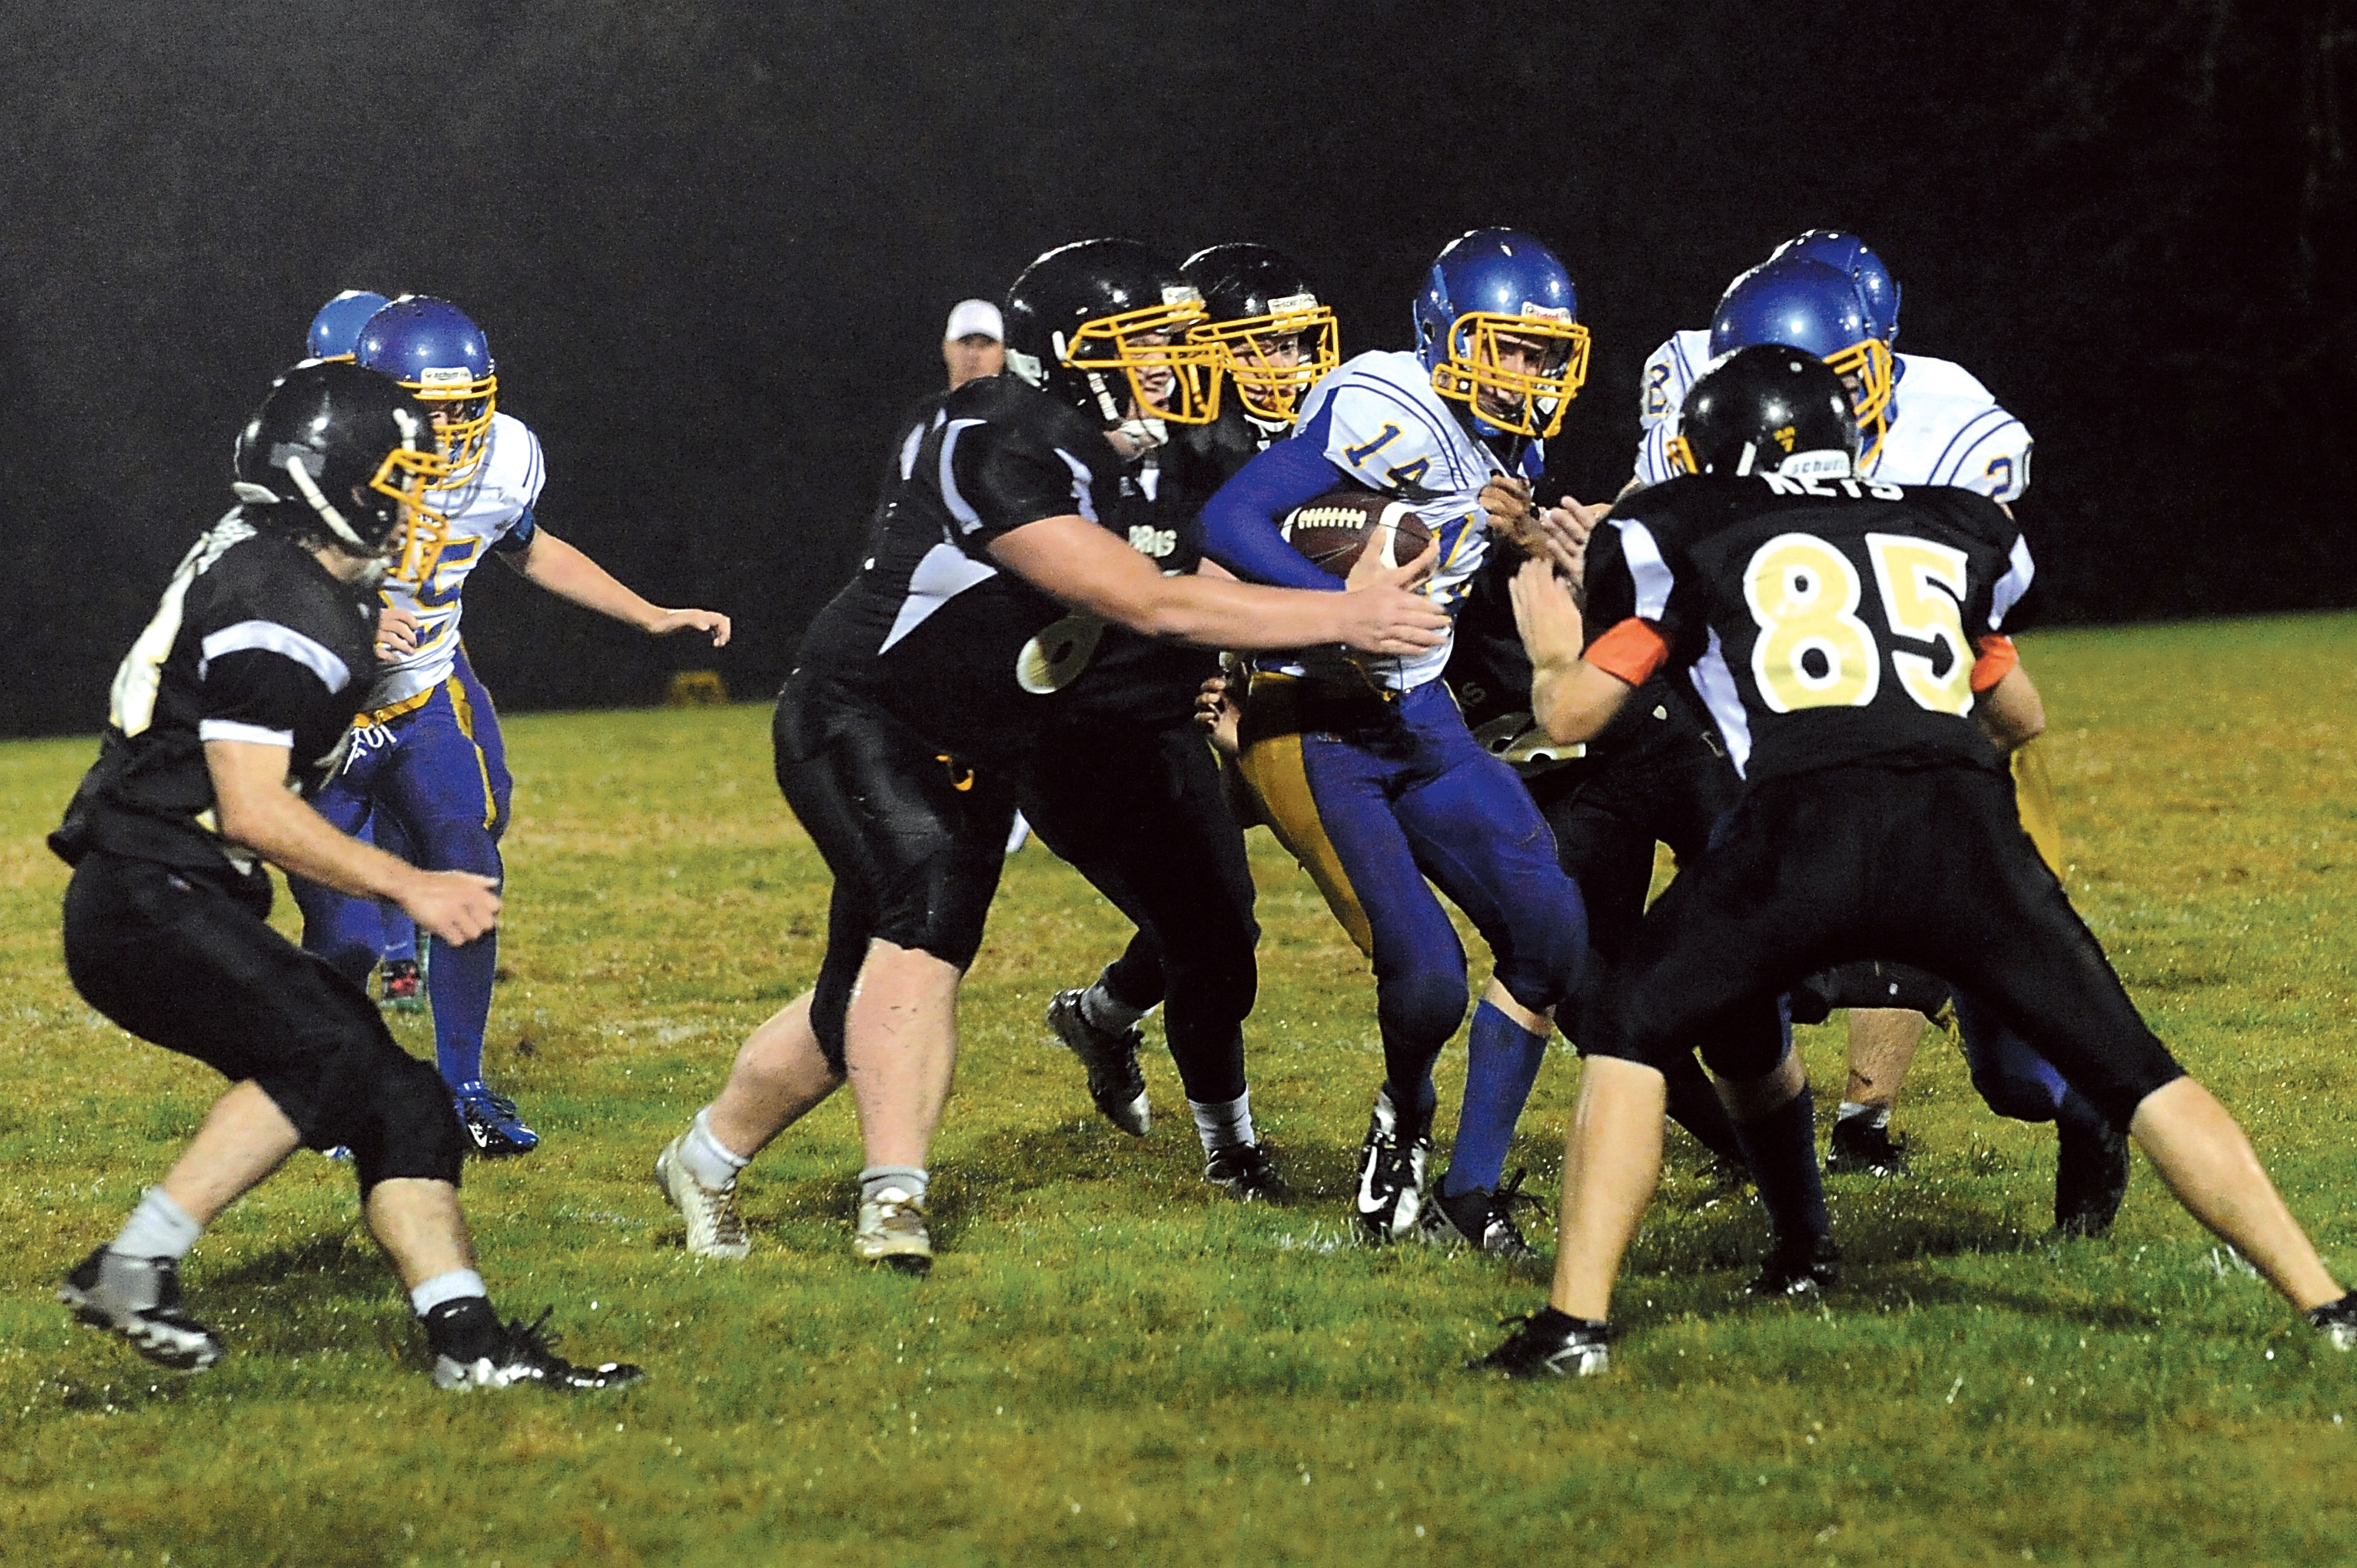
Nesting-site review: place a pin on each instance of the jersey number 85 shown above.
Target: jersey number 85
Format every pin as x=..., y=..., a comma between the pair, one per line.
x=1816, y=651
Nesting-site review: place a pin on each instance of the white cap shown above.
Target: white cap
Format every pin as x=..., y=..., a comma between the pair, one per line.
x=969, y=316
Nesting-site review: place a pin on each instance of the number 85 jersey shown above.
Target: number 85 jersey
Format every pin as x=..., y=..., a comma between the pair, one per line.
x=1824, y=622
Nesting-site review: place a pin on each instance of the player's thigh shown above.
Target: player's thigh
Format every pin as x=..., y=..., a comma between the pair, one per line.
x=186, y=966
x=1611, y=859
x=1350, y=787
x=435, y=783
x=480, y=720
x=2002, y=928
x=920, y=836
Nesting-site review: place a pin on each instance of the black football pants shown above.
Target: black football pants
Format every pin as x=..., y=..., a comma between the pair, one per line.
x=1928, y=866
x=1139, y=812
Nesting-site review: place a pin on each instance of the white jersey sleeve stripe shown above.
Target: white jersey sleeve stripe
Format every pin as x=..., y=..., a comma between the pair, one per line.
x=967, y=518
x=2013, y=585
x=1644, y=553
x=252, y=735
x=1715, y=683
x=269, y=636
x=1972, y=433
x=1083, y=485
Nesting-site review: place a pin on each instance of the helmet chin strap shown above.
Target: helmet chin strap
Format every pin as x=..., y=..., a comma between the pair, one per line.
x=326, y=509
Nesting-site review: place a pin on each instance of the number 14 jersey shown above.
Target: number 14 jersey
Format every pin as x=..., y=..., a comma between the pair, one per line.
x=1823, y=621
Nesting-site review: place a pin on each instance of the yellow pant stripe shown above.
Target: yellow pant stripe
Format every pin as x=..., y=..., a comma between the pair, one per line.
x=465, y=714
x=2033, y=795
x=1280, y=780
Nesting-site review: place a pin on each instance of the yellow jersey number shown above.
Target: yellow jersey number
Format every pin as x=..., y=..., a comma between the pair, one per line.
x=1813, y=651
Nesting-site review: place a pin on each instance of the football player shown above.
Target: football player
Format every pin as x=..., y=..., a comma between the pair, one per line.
x=1945, y=429
x=235, y=703
x=1366, y=769
x=1847, y=635
x=334, y=331
x=427, y=751
x=1167, y=850
x=977, y=624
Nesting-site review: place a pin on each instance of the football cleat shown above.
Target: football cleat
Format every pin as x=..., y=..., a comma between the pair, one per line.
x=1243, y=1172
x=714, y=1228
x=1480, y=1219
x=1798, y=1266
x=2091, y=1177
x=1390, y=1175
x=1551, y=1344
x=1858, y=1147
x=139, y=1298
x=2337, y=1321
x=526, y=1353
x=1114, y=1082
x=402, y=986
x=892, y=1231
x=492, y=1123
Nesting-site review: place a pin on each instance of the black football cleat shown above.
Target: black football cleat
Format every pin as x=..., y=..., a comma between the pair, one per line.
x=1550, y=1344
x=139, y=1298
x=1480, y=1219
x=1115, y=1085
x=1858, y=1147
x=1244, y=1172
x=2090, y=1176
x=2337, y=1321
x=1798, y=1266
x=520, y=1353
x=1392, y=1161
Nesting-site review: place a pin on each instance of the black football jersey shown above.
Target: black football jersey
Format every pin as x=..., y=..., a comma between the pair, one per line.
x=254, y=640
x=1822, y=621
x=932, y=630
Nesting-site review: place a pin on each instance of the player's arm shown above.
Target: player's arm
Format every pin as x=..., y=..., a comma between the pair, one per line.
x=1082, y=564
x=1571, y=699
x=255, y=809
x=570, y=574
x=1239, y=522
x=2009, y=706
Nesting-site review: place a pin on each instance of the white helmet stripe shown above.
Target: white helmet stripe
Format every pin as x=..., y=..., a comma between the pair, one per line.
x=320, y=504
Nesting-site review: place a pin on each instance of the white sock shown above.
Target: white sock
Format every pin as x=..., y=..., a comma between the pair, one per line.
x=1876, y=1116
x=1108, y=1012
x=876, y=1180
x=1223, y=1123
x=456, y=1286
x=158, y=1228
x=712, y=1163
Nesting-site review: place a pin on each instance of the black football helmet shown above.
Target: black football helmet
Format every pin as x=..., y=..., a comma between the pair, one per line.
x=356, y=453
x=1768, y=409
x=1276, y=339
x=1088, y=309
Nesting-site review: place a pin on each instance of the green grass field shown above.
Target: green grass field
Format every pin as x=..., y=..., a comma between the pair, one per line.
x=1108, y=1362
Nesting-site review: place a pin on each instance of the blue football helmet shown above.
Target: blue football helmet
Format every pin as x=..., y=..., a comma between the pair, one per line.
x=1844, y=252
x=338, y=326
x=1489, y=286
x=1807, y=305
x=429, y=346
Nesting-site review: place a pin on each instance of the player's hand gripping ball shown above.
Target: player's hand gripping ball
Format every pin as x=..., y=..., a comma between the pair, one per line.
x=1335, y=530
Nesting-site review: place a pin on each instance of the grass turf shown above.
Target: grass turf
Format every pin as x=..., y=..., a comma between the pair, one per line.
x=1108, y=1359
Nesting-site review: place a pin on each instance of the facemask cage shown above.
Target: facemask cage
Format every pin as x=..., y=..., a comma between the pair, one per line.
x=414, y=549
x=1275, y=392
x=1474, y=364
x=466, y=402
x=1867, y=362
x=1190, y=368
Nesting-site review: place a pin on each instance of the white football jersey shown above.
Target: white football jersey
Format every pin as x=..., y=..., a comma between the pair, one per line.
x=1944, y=428
x=496, y=498
x=1378, y=420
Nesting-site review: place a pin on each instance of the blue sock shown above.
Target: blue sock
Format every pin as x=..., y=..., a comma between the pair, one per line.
x=1501, y=1063
x=461, y=994
x=1782, y=1149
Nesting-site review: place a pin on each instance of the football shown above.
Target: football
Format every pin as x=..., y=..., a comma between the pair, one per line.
x=1333, y=531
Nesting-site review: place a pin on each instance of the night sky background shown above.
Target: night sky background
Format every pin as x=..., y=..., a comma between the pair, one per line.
x=713, y=240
